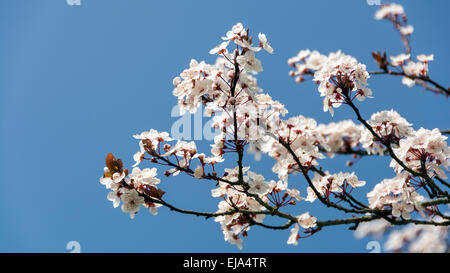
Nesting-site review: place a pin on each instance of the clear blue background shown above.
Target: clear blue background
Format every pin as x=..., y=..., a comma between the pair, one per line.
x=76, y=82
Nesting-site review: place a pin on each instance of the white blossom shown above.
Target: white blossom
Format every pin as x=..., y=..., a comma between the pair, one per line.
x=249, y=62
x=332, y=183
x=406, y=30
x=131, y=202
x=430, y=146
x=425, y=58
x=293, y=238
x=264, y=43
x=257, y=184
x=198, y=172
x=399, y=59
x=222, y=48
x=146, y=176
x=389, y=9
x=390, y=126
x=306, y=221
x=340, y=73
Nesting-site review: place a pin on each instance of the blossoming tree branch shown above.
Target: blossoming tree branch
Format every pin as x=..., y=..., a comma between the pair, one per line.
x=250, y=121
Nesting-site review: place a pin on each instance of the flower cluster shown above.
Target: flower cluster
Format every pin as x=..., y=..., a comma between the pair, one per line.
x=306, y=62
x=341, y=77
x=241, y=196
x=305, y=221
x=375, y=228
x=389, y=10
x=412, y=70
x=234, y=225
x=130, y=190
x=152, y=140
x=425, y=151
x=230, y=92
x=390, y=127
x=418, y=239
x=300, y=134
x=343, y=136
x=255, y=118
x=337, y=185
x=412, y=238
x=396, y=14
x=398, y=194
x=212, y=83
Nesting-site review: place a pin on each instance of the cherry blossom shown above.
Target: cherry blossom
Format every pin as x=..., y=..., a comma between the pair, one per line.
x=390, y=126
x=131, y=202
x=399, y=59
x=249, y=62
x=198, y=173
x=293, y=238
x=340, y=136
x=418, y=239
x=220, y=49
x=425, y=58
x=144, y=177
x=257, y=184
x=306, y=221
x=114, y=197
x=338, y=76
x=264, y=43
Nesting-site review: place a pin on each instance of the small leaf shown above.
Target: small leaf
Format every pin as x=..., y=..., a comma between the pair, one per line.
x=110, y=162
x=114, y=165
x=154, y=192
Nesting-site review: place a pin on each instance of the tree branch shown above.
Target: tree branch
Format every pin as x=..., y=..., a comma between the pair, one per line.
x=387, y=145
x=439, y=89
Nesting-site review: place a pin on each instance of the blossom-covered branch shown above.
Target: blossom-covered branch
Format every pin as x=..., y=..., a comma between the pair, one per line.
x=248, y=121
x=402, y=65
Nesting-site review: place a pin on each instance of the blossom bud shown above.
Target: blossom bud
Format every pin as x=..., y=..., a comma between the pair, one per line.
x=167, y=147
x=176, y=81
x=198, y=173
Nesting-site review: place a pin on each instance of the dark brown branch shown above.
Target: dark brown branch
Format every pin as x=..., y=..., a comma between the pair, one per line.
x=285, y=226
x=386, y=144
x=440, y=89
x=316, y=192
x=187, y=169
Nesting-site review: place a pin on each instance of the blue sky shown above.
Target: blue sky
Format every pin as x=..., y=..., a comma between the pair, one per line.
x=76, y=82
